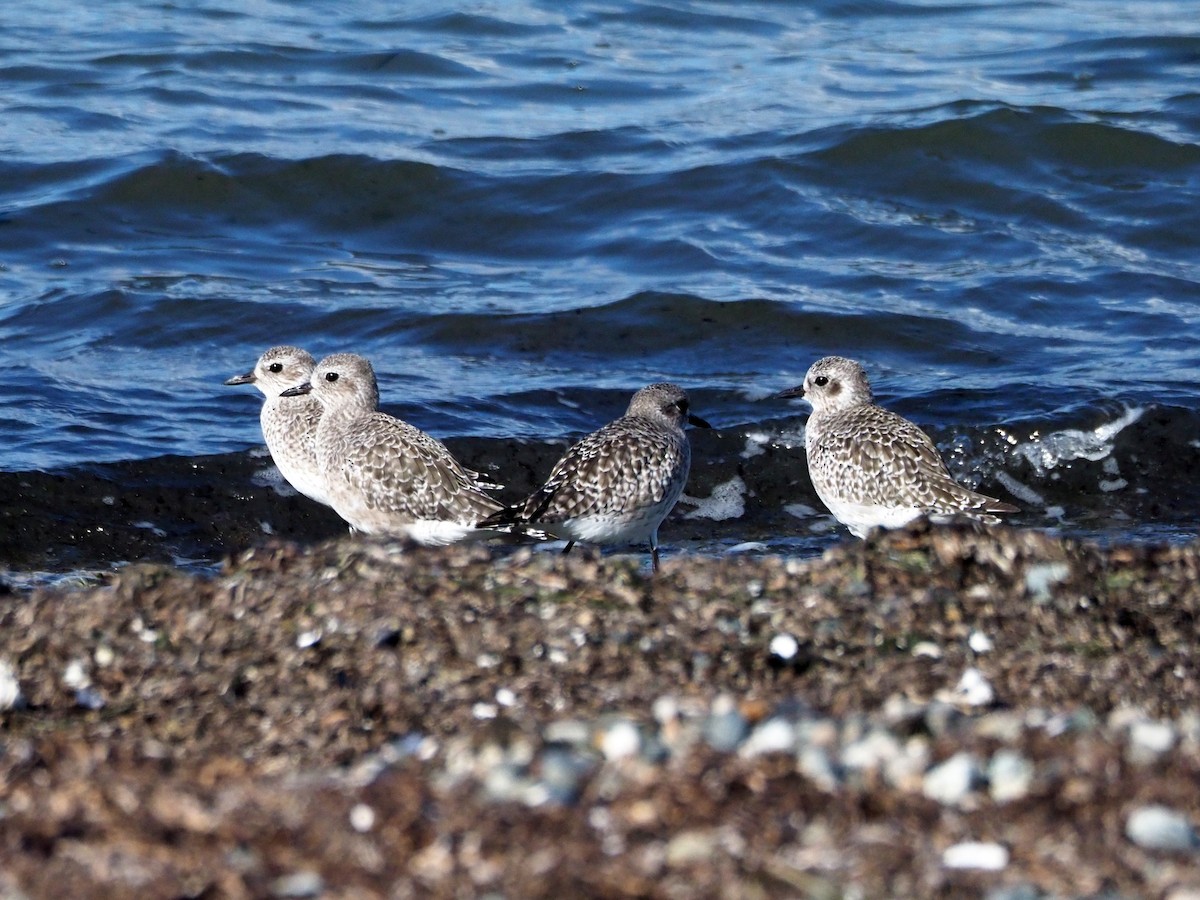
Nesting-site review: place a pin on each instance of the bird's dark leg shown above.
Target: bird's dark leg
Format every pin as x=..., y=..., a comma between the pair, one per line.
x=567, y=549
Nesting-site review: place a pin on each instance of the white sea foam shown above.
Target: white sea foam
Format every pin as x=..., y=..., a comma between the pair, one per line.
x=1020, y=490
x=1045, y=452
x=727, y=501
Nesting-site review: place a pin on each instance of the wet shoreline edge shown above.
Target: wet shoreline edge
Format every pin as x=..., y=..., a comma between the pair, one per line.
x=751, y=483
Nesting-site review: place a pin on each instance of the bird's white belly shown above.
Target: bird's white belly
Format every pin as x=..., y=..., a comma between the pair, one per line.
x=632, y=527
x=862, y=517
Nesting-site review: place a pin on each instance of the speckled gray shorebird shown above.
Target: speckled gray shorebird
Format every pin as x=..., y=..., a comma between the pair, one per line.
x=289, y=424
x=617, y=484
x=872, y=467
x=381, y=474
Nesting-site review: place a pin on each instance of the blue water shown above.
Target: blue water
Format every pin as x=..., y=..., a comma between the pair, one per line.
x=521, y=212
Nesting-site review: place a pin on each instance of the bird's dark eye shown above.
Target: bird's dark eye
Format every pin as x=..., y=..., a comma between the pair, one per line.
x=331, y=377
x=276, y=367
x=682, y=406
x=821, y=380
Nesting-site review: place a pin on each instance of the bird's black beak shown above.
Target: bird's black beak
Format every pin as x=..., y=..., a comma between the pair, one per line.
x=697, y=421
x=248, y=378
x=790, y=393
x=298, y=391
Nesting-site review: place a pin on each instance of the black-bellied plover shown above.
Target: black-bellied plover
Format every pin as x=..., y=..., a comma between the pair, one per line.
x=617, y=484
x=289, y=424
x=872, y=467
x=381, y=474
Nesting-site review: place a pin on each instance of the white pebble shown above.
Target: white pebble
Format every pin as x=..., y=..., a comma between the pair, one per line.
x=620, y=741
x=1160, y=828
x=75, y=675
x=10, y=688
x=871, y=752
x=976, y=855
x=980, y=642
x=484, y=711
x=776, y=735
x=1148, y=740
x=362, y=818
x=505, y=697
x=1009, y=776
x=298, y=884
x=665, y=709
x=814, y=764
x=926, y=650
x=308, y=639
x=784, y=646
x=951, y=782
x=1041, y=578
x=974, y=689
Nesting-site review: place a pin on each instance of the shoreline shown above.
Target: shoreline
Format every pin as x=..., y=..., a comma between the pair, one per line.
x=357, y=719
x=749, y=487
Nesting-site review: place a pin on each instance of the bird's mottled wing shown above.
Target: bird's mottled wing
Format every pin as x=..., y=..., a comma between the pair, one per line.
x=626, y=464
x=405, y=472
x=895, y=464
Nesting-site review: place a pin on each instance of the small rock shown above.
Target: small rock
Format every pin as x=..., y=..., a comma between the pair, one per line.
x=692, y=846
x=1009, y=776
x=502, y=783
x=951, y=782
x=903, y=714
x=298, y=884
x=562, y=773
x=1149, y=740
x=75, y=675
x=926, y=650
x=814, y=764
x=665, y=709
x=871, y=752
x=10, y=688
x=1158, y=827
x=620, y=740
x=725, y=728
x=784, y=647
x=307, y=639
x=89, y=698
x=985, y=856
x=484, y=711
x=1004, y=726
x=980, y=642
x=941, y=717
x=362, y=818
x=1040, y=578
x=776, y=735
x=905, y=771
x=573, y=732
x=974, y=689
x=1016, y=892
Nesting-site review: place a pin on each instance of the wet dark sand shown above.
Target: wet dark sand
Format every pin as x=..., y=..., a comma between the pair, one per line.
x=339, y=716
x=195, y=511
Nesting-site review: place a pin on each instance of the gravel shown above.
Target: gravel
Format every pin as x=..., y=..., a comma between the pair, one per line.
x=359, y=719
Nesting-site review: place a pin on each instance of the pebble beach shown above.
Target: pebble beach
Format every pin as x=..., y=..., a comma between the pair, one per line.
x=933, y=712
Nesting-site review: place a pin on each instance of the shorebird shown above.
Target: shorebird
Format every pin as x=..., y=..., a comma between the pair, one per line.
x=872, y=467
x=289, y=424
x=382, y=475
x=617, y=484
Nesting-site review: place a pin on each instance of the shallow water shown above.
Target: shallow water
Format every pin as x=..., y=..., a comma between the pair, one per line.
x=522, y=212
